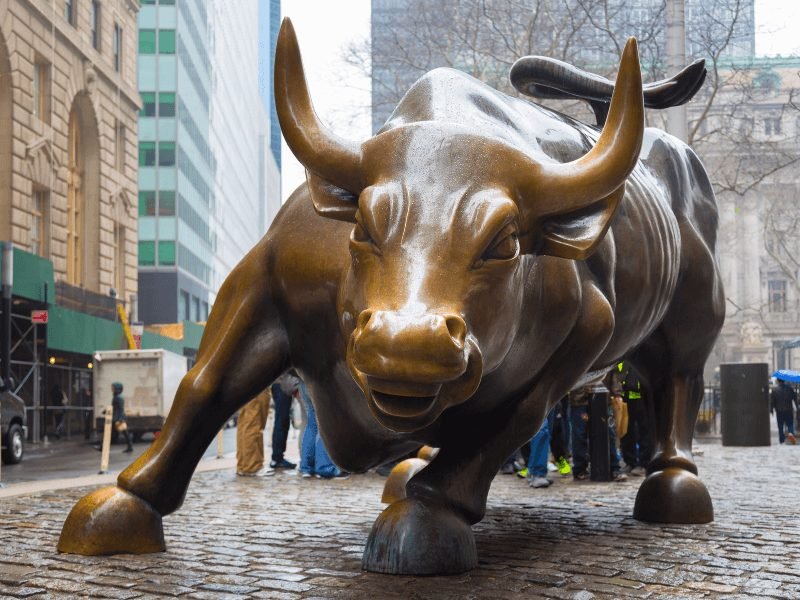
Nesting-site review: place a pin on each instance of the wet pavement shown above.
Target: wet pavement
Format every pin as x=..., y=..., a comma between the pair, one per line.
x=78, y=457
x=287, y=537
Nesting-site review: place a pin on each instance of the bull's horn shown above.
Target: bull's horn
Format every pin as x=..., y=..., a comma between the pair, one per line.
x=318, y=149
x=566, y=187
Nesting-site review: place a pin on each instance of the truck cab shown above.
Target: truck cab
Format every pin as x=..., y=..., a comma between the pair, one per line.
x=13, y=430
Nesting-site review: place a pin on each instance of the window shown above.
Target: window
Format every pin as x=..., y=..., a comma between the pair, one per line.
x=166, y=104
x=166, y=203
x=184, y=307
x=204, y=314
x=94, y=21
x=166, y=154
x=166, y=41
x=196, y=304
x=41, y=90
x=148, y=2
x=148, y=104
x=119, y=260
x=69, y=11
x=40, y=216
x=147, y=41
x=117, y=47
x=167, y=2
x=120, y=148
x=147, y=154
x=772, y=125
x=147, y=254
x=777, y=295
x=147, y=203
x=166, y=253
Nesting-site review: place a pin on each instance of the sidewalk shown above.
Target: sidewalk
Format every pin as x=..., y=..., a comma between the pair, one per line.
x=287, y=537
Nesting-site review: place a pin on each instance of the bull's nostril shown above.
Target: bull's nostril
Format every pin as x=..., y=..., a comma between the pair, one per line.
x=363, y=319
x=457, y=328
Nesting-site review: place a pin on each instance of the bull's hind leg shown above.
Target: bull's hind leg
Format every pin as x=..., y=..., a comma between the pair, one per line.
x=672, y=362
x=243, y=349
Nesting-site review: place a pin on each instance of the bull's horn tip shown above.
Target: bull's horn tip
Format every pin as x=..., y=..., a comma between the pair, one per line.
x=286, y=27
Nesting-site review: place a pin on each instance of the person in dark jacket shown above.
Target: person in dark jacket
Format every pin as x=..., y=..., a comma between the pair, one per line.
x=118, y=415
x=782, y=400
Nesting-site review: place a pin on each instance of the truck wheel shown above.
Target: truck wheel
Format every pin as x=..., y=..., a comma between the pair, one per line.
x=14, y=445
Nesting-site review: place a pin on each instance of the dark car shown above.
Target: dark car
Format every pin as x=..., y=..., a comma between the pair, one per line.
x=12, y=429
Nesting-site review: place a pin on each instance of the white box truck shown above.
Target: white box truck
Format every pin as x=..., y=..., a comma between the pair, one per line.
x=150, y=379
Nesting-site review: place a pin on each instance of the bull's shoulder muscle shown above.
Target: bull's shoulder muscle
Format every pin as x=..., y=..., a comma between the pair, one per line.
x=307, y=252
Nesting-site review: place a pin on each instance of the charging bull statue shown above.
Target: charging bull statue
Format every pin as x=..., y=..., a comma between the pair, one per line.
x=445, y=283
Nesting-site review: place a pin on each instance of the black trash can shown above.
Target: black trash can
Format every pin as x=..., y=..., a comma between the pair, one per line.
x=745, y=404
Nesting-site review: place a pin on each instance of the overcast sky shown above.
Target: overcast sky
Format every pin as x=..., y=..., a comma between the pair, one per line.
x=325, y=27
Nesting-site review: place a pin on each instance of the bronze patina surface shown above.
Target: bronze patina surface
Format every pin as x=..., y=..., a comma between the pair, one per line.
x=445, y=283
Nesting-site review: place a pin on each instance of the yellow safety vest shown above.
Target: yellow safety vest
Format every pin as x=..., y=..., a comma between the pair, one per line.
x=631, y=395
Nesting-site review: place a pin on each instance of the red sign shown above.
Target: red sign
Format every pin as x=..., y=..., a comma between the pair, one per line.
x=39, y=316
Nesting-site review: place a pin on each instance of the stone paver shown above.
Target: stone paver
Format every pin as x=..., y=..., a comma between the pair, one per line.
x=287, y=537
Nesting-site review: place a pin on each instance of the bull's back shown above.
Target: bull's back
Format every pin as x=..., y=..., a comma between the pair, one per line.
x=667, y=199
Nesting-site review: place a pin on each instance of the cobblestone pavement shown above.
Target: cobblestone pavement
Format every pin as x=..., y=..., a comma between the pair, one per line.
x=287, y=537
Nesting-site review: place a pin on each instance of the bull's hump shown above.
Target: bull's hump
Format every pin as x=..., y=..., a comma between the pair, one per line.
x=449, y=95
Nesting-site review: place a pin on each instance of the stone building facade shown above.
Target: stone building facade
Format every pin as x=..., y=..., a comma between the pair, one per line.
x=68, y=138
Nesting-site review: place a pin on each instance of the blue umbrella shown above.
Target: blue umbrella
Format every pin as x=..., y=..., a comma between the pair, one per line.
x=787, y=375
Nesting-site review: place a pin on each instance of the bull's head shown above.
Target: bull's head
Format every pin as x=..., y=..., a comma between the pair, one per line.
x=442, y=216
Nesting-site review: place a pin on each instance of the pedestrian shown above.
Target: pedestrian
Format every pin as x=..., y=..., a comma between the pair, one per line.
x=250, y=437
x=283, y=390
x=579, y=401
x=637, y=443
x=782, y=400
x=118, y=414
x=314, y=458
x=559, y=436
x=57, y=402
x=540, y=452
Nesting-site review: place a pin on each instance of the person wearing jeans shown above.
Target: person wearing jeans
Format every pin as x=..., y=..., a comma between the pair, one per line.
x=540, y=452
x=314, y=458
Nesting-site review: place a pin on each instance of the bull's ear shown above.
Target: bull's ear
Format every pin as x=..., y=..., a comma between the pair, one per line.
x=330, y=200
x=576, y=235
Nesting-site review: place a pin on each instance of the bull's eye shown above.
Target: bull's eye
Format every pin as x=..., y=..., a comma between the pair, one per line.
x=361, y=239
x=504, y=246
x=360, y=234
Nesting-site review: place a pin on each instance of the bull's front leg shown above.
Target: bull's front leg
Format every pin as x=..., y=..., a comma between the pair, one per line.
x=429, y=532
x=242, y=351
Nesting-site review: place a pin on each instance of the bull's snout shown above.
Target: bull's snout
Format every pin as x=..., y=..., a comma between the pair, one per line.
x=410, y=349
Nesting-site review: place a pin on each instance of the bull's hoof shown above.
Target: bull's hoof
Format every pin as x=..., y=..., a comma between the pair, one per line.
x=394, y=489
x=112, y=521
x=673, y=496
x=414, y=537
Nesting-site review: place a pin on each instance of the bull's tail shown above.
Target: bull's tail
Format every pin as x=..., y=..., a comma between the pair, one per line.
x=543, y=77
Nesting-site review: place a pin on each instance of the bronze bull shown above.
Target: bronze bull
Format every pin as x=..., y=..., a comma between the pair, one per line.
x=445, y=283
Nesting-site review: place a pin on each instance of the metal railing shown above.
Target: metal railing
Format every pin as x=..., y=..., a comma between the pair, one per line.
x=708, y=421
x=85, y=301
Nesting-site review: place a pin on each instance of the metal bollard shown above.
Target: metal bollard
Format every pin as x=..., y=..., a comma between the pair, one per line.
x=220, y=446
x=599, y=451
x=104, y=455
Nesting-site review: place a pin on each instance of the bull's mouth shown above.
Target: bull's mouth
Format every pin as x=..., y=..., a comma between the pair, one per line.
x=403, y=401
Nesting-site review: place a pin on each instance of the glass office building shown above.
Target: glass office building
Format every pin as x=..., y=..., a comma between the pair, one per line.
x=209, y=181
x=176, y=166
x=247, y=177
